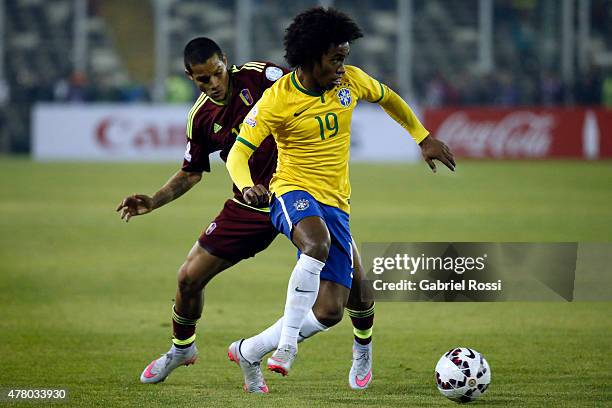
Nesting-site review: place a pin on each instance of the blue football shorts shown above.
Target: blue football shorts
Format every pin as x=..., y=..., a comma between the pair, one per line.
x=290, y=208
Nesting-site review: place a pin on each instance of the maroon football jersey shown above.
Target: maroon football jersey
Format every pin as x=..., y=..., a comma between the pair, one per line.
x=213, y=126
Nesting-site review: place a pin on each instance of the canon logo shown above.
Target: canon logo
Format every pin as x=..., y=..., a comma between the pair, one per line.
x=113, y=132
x=518, y=134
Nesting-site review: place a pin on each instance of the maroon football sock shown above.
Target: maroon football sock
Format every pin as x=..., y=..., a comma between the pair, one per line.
x=363, y=321
x=183, y=330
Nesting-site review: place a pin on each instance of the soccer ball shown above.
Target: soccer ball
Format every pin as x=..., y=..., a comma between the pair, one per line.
x=462, y=374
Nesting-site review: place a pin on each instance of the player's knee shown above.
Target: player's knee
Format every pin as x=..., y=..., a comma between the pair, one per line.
x=189, y=281
x=317, y=248
x=329, y=315
x=360, y=298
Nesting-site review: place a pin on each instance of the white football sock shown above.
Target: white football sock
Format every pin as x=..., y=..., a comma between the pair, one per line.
x=256, y=347
x=310, y=327
x=301, y=295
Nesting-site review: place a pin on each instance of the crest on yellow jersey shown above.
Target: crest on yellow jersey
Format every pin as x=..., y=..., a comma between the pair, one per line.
x=344, y=96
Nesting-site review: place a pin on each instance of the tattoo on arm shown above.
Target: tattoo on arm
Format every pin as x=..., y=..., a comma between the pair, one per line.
x=179, y=184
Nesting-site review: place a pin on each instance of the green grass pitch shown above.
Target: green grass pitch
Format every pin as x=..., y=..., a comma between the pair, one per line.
x=85, y=299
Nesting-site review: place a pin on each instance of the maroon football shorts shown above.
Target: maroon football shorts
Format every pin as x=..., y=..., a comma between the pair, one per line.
x=238, y=233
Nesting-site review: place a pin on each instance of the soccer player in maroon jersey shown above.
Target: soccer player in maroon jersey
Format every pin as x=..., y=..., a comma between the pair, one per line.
x=239, y=231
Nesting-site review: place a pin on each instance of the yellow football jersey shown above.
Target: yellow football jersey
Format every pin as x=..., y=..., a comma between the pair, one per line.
x=312, y=132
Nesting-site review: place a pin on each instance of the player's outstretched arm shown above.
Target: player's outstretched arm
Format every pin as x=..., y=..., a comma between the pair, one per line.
x=139, y=204
x=431, y=148
x=434, y=149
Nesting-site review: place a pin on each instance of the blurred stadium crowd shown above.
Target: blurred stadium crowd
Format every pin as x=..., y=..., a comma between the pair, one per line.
x=39, y=38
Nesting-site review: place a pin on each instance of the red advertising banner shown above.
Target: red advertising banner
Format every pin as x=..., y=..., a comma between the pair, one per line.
x=604, y=123
x=533, y=133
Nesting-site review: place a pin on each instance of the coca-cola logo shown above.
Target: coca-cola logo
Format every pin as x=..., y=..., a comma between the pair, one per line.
x=115, y=132
x=518, y=134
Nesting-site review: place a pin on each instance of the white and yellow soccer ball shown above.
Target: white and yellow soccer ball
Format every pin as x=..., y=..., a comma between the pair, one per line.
x=462, y=374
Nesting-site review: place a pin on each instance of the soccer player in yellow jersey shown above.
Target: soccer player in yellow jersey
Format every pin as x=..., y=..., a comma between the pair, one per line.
x=309, y=114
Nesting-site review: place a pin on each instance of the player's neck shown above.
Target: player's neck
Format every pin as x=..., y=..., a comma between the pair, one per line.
x=307, y=80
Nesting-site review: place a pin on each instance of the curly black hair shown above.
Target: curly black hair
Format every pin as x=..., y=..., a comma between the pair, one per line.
x=313, y=31
x=198, y=50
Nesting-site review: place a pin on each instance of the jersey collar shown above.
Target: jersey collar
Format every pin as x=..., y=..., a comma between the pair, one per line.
x=296, y=82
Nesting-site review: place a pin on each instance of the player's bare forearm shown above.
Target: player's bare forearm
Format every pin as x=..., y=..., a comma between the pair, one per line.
x=140, y=204
x=179, y=184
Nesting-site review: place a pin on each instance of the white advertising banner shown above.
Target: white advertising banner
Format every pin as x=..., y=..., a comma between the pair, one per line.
x=157, y=133
x=109, y=132
x=375, y=137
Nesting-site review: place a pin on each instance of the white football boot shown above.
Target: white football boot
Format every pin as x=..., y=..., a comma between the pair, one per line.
x=159, y=369
x=360, y=375
x=253, y=378
x=280, y=361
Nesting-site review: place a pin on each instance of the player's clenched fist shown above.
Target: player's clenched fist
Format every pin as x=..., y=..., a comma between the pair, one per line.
x=257, y=196
x=133, y=205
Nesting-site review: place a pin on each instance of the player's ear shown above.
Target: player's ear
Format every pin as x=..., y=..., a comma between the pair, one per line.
x=188, y=74
x=224, y=59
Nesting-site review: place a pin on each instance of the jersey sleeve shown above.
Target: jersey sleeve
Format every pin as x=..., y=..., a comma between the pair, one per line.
x=399, y=110
x=367, y=87
x=376, y=92
x=195, y=159
x=238, y=166
x=199, y=144
x=272, y=73
x=259, y=123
